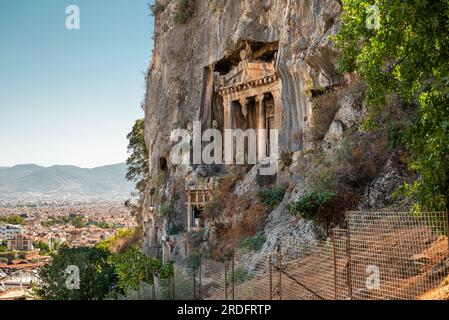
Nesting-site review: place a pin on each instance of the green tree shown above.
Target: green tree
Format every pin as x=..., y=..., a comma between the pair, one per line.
x=137, y=162
x=133, y=267
x=97, y=276
x=3, y=246
x=43, y=247
x=12, y=219
x=407, y=56
x=78, y=222
x=121, y=241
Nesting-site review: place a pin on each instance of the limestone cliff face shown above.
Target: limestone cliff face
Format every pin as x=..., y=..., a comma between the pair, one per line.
x=179, y=90
x=176, y=77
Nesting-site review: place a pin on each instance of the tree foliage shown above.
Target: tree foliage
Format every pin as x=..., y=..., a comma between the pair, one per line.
x=254, y=243
x=309, y=205
x=97, y=276
x=103, y=275
x=12, y=219
x=184, y=10
x=43, y=247
x=406, y=56
x=273, y=196
x=137, y=162
x=133, y=267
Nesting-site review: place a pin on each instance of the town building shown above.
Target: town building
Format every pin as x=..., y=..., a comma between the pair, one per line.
x=20, y=242
x=9, y=231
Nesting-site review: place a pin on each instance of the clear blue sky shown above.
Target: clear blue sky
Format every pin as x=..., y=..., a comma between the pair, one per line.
x=71, y=96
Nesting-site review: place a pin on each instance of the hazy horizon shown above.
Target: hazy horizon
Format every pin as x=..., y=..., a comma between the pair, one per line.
x=70, y=97
x=62, y=165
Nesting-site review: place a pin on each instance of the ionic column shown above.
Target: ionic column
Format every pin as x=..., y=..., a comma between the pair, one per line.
x=227, y=112
x=243, y=102
x=189, y=212
x=227, y=115
x=261, y=132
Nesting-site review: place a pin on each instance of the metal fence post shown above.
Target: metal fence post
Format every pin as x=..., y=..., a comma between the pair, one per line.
x=200, y=284
x=173, y=285
x=447, y=231
x=335, y=264
x=233, y=275
x=348, y=252
x=194, y=286
x=280, y=269
x=270, y=276
x=226, y=282
x=154, y=287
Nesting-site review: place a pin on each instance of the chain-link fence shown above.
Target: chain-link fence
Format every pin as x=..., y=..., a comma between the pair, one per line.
x=378, y=255
x=396, y=255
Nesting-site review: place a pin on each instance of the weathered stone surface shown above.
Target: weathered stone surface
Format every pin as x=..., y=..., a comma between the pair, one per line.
x=179, y=91
x=175, y=83
x=379, y=193
x=348, y=116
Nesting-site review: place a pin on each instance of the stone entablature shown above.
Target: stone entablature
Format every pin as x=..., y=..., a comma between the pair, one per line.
x=246, y=74
x=252, y=99
x=250, y=84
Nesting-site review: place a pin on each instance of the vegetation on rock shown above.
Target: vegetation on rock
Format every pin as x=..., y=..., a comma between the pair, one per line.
x=273, y=196
x=406, y=56
x=184, y=9
x=137, y=162
x=254, y=243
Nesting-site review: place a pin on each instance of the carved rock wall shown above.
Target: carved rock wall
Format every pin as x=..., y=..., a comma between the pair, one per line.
x=177, y=83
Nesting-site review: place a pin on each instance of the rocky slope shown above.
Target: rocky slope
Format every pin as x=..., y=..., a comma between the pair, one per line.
x=321, y=111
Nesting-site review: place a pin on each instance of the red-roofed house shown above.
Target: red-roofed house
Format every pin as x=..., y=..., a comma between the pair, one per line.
x=20, y=242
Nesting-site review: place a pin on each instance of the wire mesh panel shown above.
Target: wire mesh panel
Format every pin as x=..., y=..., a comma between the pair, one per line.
x=396, y=255
x=249, y=276
x=211, y=280
x=341, y=256
x=183, y=283
x=309, y=277
x=163, y=289
x=380, y=255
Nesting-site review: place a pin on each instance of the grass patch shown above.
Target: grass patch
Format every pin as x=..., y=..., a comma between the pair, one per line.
x=254, y=243
x=309, y=205
x=272, y=197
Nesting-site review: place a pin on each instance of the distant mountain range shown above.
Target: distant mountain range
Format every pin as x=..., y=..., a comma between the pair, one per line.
x=66, y=181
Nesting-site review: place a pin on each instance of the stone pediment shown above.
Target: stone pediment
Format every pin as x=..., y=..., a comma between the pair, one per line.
x=246, y=72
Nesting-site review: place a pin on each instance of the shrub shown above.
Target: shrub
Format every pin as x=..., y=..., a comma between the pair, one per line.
x=156, y=8
x=174, y=230
x=272, y=197
x=326, y=209
x=240, y=276
x=309, y=205
x=133, y=267
x=286, y=157
x=195, y=261
x=184, y=9
x=254, y=243
x=163, y=209
x=121, y=241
